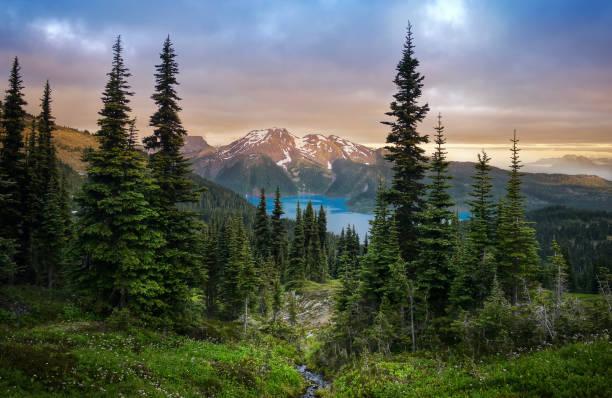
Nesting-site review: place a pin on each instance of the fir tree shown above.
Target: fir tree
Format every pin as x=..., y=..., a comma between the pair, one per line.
x=476, y=264
x=117, y=242
x=516, y=248
x=12, y=163
x=278, y=234
x=434, y=271
x=261, y=228
x=383, y=251
x=409, y=162
x=322, y=228
x=211, y=262
x=295, y=273
x=52, y=233
x=170, y=171
x=9, y=268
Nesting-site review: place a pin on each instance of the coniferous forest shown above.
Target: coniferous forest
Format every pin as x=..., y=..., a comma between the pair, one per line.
x=142, y=278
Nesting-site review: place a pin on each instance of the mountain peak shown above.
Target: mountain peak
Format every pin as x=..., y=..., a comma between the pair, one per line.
x=285, y=148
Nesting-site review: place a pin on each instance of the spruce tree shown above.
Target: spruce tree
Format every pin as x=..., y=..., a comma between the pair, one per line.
x=477, y=267
x=211, y=262
x=261, y=228
x=52, y=233
x=278, y=234
x=117, y=240
x=516, y=247
x=170, y=171
x=295, y=272
x=375, y=272
x=434, y=271
x=12, y=164
x=322, y=228
x=409, y=161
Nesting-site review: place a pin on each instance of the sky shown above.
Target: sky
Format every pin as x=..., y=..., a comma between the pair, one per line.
x=543, y=68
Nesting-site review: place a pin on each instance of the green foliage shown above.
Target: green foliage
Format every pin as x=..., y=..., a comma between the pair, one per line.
x=409, y=161
x=295, y=273
x=433, y=269
x=117, y=237
x=13, y=175
x=516, y=247
x=475, y=263
x=261, y=229
x=85, y=359
x=575, y=370
x=583, y=237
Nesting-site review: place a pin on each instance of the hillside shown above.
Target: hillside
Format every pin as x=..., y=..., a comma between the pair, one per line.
x=337, y=167
x=215, y=200
x=585, y=237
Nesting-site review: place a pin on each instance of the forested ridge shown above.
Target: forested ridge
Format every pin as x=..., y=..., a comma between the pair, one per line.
x=149, y=280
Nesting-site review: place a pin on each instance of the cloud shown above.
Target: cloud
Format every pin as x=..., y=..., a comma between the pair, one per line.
x=451, y=12
x=62, y=34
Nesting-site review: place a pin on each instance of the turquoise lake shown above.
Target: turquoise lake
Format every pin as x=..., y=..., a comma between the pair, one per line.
x=338, y=215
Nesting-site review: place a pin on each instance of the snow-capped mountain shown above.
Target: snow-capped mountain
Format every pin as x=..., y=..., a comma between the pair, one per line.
x=284, y=147
x=274, y=156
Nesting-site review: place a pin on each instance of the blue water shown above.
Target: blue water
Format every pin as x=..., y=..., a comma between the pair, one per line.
x=338, y=215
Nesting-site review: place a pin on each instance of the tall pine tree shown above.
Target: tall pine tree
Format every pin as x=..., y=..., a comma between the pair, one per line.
x=12, y=164
x=516, y=247
x=475, y=272
x=295, y=272
x=434, y=271
x=278, y=244
x=117, y=241
x=261, y=227
x=170, y=171
x=409, y=161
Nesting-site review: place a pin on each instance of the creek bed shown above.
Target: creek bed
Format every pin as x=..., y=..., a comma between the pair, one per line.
x=315, y=381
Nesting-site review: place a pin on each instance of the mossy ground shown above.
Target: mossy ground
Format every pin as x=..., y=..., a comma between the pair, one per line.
x=576, y=370
x=51, y=350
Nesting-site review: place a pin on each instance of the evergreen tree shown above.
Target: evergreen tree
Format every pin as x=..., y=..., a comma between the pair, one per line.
x=375, y=272
x=322, y=227
x=9, y=268
x=476, y=266
x=248, y=279
x=12, y=164
x=117, y=241
x=434, y=271
x=409, y=161
x=295, y=273
x=52, y=230
x=177, y=257
x=33, y=192
x=238, y=279
x=211, y=262
x=261, y=228
x=278, y=234
x=516, y=248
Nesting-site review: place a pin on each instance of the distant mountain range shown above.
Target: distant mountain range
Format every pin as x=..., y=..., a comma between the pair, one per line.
x=337, y=167
x=573, y=164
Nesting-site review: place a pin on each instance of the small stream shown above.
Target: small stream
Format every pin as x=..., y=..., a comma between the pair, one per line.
x=315, y=381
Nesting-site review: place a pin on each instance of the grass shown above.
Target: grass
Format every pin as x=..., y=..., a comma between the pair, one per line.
x=581, y=369
x=53, y=350
x=77, y=359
